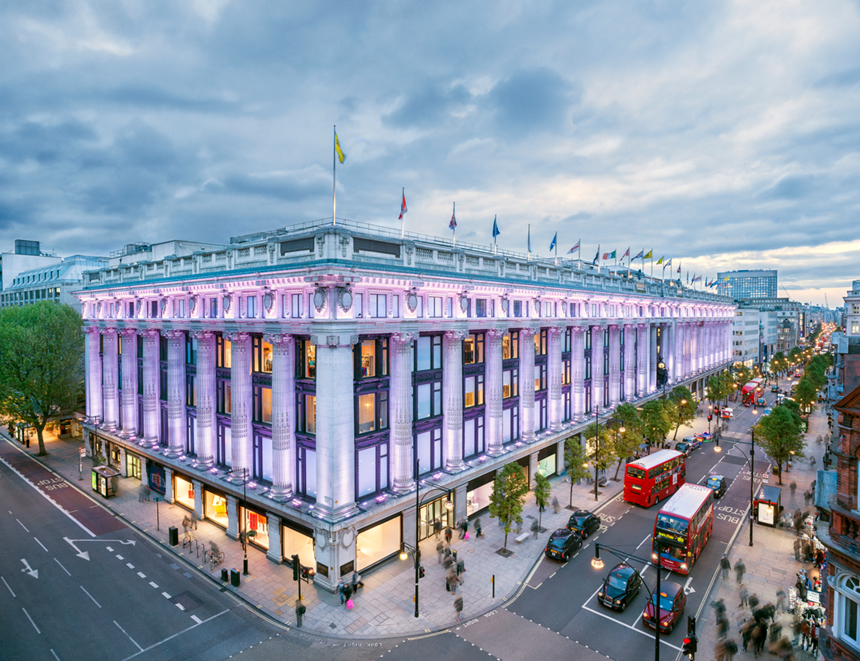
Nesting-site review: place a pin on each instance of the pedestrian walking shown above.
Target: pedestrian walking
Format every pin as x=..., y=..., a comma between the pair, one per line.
x=452, y=581
x=185, y=523
x=745, y=596
x=740, y=568
x=739, y=616
x=448, y=562
x=720, y=650
x=458, y=606
x=440, y=550
x=460, y=530
x=797, y=548
x=347, y=594
x=479, y=531
x=793, y=487
x=340, y=590
x=780, y=600
x=356, y=582
x=465, y=529
x=437, y=526
x=813, y=635
x=535, y=528
x=731, y=649
x=448, y=534
x=804, y=634
x=195, y=517
x=461, y=571
x=807, y=497
x=141, y=493
x=725, y=565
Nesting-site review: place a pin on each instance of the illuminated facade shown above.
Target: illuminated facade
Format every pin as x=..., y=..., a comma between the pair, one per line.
x=327, y=362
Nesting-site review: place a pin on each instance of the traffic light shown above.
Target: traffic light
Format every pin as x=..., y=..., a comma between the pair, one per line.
x=296, y=567
x=420, y=572
x=710, y=417
x=689, y=648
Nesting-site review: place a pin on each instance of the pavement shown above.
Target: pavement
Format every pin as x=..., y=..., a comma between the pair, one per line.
x=385, y=606
x=770, y=563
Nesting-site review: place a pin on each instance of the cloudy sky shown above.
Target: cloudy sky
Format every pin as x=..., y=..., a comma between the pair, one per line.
x=723, y=134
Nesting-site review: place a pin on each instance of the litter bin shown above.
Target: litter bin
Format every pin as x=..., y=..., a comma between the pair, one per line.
x=173, y=535
x=234, y=578
x=225, y=575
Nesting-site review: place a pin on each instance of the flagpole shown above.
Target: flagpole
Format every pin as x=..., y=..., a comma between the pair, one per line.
x=402, y=215
x=579, y=253
x=454, y=229
x=333, y=176
x=556, y=249
x=495, y=238
x=529, y=245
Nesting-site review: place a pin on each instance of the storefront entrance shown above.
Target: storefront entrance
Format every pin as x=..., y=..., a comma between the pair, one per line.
x=132, y=465
x=428, y=515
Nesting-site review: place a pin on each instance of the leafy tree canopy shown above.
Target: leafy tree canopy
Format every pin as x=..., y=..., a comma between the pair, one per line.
x=780, y=434
x=655, y=422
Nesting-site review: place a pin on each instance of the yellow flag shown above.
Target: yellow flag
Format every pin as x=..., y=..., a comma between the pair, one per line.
x=340, y=155
x=659, y=261
x=648, y=255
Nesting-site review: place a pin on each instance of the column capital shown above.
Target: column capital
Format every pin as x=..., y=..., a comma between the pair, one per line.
x=174, y=334
x=334, y=340
x=202, y=334
x=495, y=332
x=278, y=338
x=237, y=336
x=149, y=332
x=110, y=330
x=555, y=330
x=91, y=330
x=404, y=338
x=128, y=332
x=528, y=331
x=578, y=329
x=455, y=335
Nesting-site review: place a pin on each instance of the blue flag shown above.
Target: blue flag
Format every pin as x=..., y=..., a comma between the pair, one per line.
x=552, y=245
x=596, y=256
x=496, y=231
x=530, y=240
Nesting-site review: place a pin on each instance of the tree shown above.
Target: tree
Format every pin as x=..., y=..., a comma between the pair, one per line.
x=600, y=446
x=718, y=387
x=743, y=375
x=777, y=364
x=805, y=393
x=680, y=408
x=509, y=495
x=577, y=462
x=780, y=435
x=655, y=422
x=542, y=493
x=41, y=363
x=628, y=441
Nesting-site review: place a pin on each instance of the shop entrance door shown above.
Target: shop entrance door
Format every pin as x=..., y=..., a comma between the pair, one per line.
x=132, y=464
x=428, y=515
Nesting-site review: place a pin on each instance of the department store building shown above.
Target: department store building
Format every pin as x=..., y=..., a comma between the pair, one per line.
x=323, y=365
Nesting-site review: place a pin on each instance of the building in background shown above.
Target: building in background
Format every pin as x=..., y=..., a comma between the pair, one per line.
x=746, y=336
x=748, y=284
x=26, y=256
x=845, y=344
x=55, y=282
x=326, y=367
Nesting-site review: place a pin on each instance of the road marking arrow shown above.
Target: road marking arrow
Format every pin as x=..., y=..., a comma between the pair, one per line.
x=80, y=554
x=85, y=555
x=687, y=588
x=33, y=572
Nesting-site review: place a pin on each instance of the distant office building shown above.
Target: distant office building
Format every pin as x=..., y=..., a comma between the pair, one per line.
x=845, y=376
x=27, y=255
x=746, y=337
x=748, y=284
x=55, y=282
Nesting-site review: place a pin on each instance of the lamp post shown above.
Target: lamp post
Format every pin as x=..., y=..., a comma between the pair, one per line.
x=597, y=563
x=418, y=502
x=596, y=447
x=751, y=459
x=244, y=472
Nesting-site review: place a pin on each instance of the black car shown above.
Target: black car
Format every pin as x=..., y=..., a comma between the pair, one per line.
x=620, y=587
x=584, y=522
x=718, y=484
x=562, y=544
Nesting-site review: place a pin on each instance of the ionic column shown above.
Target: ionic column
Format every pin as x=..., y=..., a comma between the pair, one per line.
x=678, y=353
x=700, y=346
x=275, y=553
x=233, y=527
x=577, y=365
x=400, y=411
x=206, y=399
x=597, y=367
x=669, y=350
x=335, y=424
x=129, y=382
x=629, y=362
x=652, y=360
x=176, y=424
x=151, y=368
x=494, y=391
x=556, y=408
x=110, y=371
x=168, y=485
x=93, y=365
x=687, y=345
x=242, y=400
x=527, y=384
x=283, y=417
x=614, y=367
x=642, y=346
x=452, y=400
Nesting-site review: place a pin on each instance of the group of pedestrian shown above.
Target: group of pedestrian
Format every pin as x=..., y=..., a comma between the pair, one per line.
x=726, y=646
x=455, y=568
x=346, y=590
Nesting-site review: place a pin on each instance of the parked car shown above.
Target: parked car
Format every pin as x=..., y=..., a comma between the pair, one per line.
x=726, y=413
x=761, y=401
x=620, y=587
x=562, y=544
x=694, y=441
x=583, y=522
x=718, y=484
x=683, y=446
x=670, y=603
x=774, y=388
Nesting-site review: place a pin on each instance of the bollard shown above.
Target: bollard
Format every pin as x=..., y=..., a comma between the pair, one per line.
x=493, y=581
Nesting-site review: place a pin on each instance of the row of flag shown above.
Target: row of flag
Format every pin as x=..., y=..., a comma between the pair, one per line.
x=553, y=246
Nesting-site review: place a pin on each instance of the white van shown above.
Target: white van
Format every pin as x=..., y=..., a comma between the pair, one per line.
x=726, y=413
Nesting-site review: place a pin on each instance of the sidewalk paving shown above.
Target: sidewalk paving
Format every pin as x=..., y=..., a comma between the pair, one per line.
x=385, y=606
x=770, y=563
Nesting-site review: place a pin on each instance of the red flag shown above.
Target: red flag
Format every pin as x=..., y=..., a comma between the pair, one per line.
x=403, y=208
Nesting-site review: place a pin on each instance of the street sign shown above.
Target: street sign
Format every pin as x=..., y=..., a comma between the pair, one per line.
x=83, y=452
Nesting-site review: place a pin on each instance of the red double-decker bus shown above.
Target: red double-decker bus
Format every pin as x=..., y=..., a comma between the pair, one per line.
x=653, y=478
x=683, y=527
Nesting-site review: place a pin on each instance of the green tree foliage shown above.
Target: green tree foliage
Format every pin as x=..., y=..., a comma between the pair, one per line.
x=41, y=363
x=600, y=445
x=628, y=441
x=805, y=394
x=509, y=495
x=543, y=491
x=680, y=408
x=655, y=422
x=780, y=434
x=778, y=364
x=576, y=461
x=743, y=375
x=719, y=387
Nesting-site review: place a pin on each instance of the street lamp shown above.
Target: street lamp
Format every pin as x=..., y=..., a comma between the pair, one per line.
x=751, y=460
x=244, y=472
x=449, y=505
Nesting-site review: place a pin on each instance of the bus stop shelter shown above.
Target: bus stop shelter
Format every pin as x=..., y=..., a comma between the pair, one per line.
x=768, y=505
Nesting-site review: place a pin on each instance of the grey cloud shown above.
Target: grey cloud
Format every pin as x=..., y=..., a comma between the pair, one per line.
x=429, y=106
x=791, y=187
x=281, y=188
x=531, y=100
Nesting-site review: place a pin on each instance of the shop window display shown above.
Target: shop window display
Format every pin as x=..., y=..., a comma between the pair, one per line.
x=259, y=524
x=184, y=492
x=215, y=508
x=377, y=543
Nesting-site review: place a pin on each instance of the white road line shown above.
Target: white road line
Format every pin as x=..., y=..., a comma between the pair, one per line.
x=129, y=565
x=46, y=496
x=7, y=585
x=129, y=637
x=31, y=621
x=55, y=655
x=141, y=574
x=632, y=628
x=108, y=549
x=165, y=595
x=179, y=633
x=180, y=606
x=197, y=619
x=22, y=525
x=91, y=597
x=61, y=566
x=40, y=544
x=643, y=541
x=155, y=585
x=119, y=557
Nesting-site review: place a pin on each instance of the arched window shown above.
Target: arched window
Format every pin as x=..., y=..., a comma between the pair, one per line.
x=846, y=614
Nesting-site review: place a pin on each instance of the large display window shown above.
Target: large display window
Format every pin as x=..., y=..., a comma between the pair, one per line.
x=259, y=524
x=301, y=543
x=183, y=492
x=377, y=543
x=215, y=508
